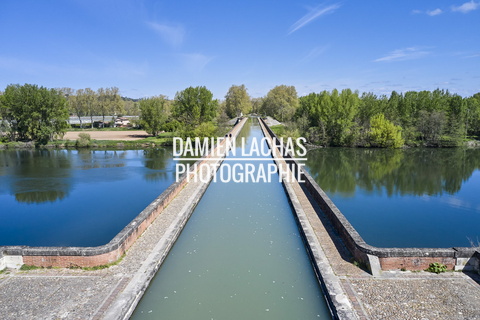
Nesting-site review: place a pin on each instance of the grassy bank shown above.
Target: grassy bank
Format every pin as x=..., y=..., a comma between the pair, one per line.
x=165, y=139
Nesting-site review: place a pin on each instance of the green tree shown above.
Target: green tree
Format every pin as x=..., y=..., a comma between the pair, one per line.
x=384, y=133
x=237, y=101
x=473, y=115
x=342, y=117
x=257, y=105
x=193, y=106
x=281, y=103
x=89, y=100
x=456, y=119
x=205, y=130
x=132, y=107
x=153, y=114
x=117, y=105
x=5, y=119
x=109, y=102
x=68, y=93
x=77, y=105
x=431, y=126
x=393, y=106
x=369, y=106
x=38, y=113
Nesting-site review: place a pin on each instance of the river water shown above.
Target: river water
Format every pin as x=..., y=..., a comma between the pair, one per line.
x=240, y=256
x=77, y=197
x=415, y=197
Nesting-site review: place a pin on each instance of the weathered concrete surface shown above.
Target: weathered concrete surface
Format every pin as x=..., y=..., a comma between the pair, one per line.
x=304, y=211
x=103, y=294
x=78, y=294
x=388, y=294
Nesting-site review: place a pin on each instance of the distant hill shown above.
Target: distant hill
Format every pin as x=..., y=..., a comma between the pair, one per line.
x=130, y=99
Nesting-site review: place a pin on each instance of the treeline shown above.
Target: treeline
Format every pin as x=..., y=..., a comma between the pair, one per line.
x=346, y=118
x=193, y=112
x=328, y=118
x=32, y=113
x=104, y=102
x=412, y=171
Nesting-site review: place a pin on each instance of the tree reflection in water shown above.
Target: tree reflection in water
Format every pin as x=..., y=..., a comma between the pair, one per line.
x=418, y=171
x=76, y=197
x=156, y=160
x=403, y=198
x=39, y=175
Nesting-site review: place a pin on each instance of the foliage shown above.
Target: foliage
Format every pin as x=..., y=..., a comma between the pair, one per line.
x=287, y=130
x=384, y=133
x=5, y=131
x=204, y=130
x=103, y=266
x=333, y=113
x=89, y=100
x=316, y=135
x=279, y=130
x=329, y=118
x=109, y=102
x=154, y=113
x=429, y=118
x=104, y=102
x=131, y=107
x=257, y=105
x=26, y=267
x=193, y=106
x=436, y=267
x=237, y=101
x=171, y=126
x=83, y=140
x=281, y=103
x=431, y=126
x=409, y=171
x=35, y=113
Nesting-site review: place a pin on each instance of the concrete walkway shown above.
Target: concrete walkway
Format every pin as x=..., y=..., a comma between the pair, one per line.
x=104, y=294
x=79, y=294
x=396, y=294
x=393, y=294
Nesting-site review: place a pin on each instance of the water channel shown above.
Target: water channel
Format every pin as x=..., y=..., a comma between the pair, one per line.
x=240, y=256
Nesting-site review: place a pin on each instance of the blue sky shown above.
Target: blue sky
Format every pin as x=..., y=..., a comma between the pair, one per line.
x=149, y=47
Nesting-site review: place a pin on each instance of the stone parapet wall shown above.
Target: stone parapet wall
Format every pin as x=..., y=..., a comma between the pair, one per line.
x=112, y=251
x=458, y=258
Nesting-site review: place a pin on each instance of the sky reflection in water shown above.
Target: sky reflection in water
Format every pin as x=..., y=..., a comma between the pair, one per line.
x=77, y=198
x=404, y=198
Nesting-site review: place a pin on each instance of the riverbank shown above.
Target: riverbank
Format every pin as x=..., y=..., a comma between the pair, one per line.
x=97, y=294
x=100, y=139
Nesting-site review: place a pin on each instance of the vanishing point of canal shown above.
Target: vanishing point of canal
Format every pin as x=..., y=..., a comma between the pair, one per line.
x=240, y=256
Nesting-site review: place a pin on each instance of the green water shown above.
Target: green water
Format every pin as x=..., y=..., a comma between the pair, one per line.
x=240, y=256
x=404, y=198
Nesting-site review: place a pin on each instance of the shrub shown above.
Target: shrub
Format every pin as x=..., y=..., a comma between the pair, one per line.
x=205, y=130
x=83, y=140
x=436, y=267
x=384, y=133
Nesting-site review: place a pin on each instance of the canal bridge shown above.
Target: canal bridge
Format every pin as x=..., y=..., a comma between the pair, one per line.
x=336, y=251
